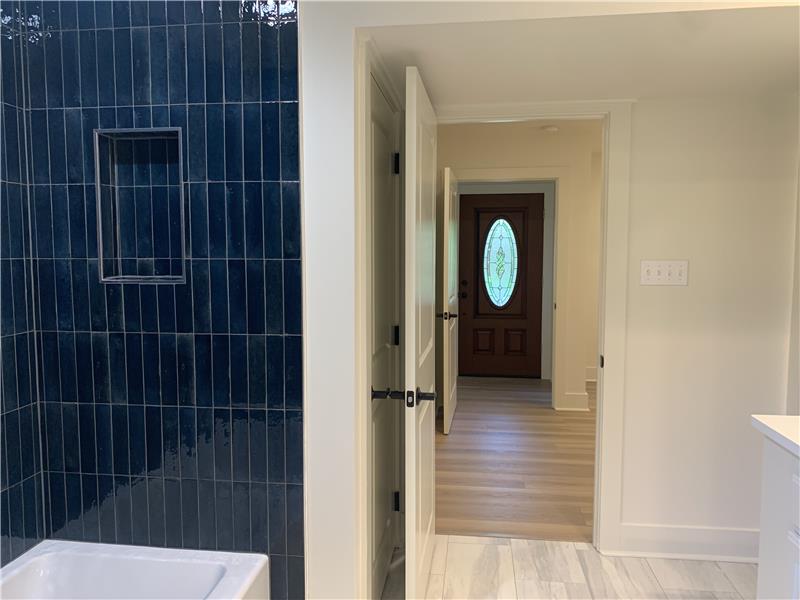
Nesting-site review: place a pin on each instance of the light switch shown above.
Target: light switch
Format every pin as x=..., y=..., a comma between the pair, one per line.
x=665, y=272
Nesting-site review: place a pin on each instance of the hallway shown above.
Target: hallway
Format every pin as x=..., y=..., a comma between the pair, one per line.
x=514, y=467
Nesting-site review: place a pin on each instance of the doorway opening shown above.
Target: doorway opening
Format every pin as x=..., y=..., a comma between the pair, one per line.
x=517, y=456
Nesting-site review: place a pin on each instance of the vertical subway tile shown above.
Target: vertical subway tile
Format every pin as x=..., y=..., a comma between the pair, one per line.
x=292, y=299
x=224, y=514
x=205, y=443
x=123, y=66
x=189, y=515
x=240, y=446
x=54, y=70
x=232, y=61
x=215, y=141
x=197, y=143
x=274, y=295
x=207, y=515
x=290, y=157
x=269, y=63
x=237, y=296
x=58, y=505
x=140, y=40
x=202, y=370
x=71, y=71
x=275, y=378
x=188, y=442
x=185, y=365
x=294, y=520
x=171, y=433
x=220, y=350
x=287, y=33
x=105, y=67
x=195, y=86
x=251, y=72
x=140, y=517
x=213, y=63
x=173, y=537
x=176, y=49
x=241, y=516
x=217, y=230
x=233, y=142
x=271, y=152
x=277, y=518
x=150, y=369
x=251, y=117
x=91, y=525
x=137, y=439
x=119, y=434
x=133, y=368
x=276, y=436
x=123, y=509
x=238, y=370
x=293, y=372
x=153, y=441
x=138, y=12
x=222, y=444
x=107, y=517
x=219, y=296
x=155, y=501
x=256, y=379
x=169, y=369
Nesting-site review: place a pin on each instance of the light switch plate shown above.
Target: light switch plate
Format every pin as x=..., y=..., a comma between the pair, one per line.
x=665, y=272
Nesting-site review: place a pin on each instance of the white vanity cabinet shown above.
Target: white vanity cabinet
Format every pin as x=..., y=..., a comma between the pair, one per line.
x=779, y=538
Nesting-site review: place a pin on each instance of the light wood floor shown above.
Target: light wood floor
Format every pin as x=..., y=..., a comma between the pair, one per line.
x=514, y=467
x=467, y=568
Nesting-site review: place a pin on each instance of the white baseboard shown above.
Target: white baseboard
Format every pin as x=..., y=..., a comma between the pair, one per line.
x=572, y=401
x=686, y=541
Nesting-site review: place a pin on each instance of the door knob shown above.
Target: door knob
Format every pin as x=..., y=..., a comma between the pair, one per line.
x=431, y=396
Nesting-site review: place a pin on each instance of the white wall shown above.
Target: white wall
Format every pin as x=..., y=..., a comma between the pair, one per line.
x=576, y=150
x=548, y=188
x=712, y=181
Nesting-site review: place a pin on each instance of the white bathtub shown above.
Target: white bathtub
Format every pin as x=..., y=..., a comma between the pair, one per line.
x=56, y=569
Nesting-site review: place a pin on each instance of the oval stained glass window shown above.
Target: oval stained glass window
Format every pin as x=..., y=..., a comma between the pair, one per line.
x=500, y=262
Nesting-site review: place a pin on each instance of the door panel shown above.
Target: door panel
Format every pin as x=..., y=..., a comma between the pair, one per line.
x=419, y=331
x=501, y=339
x=384, y=290
x=449, y=245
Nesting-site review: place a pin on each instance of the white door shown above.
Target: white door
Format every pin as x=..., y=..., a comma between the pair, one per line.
x=419, y=331
x=449, y=283
x=383, y=309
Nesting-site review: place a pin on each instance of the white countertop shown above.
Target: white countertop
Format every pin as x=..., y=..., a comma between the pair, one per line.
x=784, y=430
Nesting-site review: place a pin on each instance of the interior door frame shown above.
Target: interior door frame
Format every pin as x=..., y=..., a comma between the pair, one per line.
x=335, y=419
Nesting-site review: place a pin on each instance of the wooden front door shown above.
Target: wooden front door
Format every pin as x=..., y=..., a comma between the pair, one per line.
x=500, y=285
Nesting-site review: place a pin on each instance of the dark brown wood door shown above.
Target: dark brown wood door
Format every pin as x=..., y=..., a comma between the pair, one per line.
x=500, y=289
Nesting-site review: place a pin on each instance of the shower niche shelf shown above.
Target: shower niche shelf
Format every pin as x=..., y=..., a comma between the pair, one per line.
x=140, y=205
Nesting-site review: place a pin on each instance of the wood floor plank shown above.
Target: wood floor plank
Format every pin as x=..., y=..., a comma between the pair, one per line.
x=514, y=467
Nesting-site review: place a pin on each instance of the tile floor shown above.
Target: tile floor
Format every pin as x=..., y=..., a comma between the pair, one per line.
x=483, y=567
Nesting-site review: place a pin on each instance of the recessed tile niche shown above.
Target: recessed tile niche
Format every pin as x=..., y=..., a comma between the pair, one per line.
x=140, y=206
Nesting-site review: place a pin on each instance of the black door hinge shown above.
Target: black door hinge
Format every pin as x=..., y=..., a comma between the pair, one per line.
x=396, y=168
x=397, y=502
x=602, y=361
x=396, y=335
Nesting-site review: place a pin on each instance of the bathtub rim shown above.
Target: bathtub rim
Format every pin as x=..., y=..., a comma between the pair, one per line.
x=242, y=569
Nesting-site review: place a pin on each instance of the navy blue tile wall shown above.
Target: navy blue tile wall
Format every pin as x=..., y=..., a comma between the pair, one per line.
x=171, y=415
x=21, y=522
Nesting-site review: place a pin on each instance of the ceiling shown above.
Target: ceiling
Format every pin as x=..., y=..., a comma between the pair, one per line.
x=699, y=53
